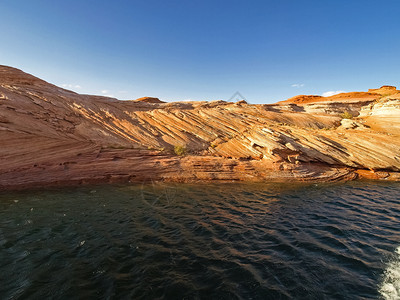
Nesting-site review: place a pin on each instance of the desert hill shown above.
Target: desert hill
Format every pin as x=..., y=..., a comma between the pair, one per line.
x=372, y=94
x=52, y=136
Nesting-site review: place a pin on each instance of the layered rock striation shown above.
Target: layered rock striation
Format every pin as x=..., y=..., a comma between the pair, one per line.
x=52, y=136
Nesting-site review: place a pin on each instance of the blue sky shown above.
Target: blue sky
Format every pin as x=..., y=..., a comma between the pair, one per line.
x=204, y=50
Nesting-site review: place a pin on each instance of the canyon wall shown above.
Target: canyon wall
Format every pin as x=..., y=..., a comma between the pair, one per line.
x=52, y=136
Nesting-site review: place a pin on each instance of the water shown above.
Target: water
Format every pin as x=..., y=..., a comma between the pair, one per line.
x=209, y=241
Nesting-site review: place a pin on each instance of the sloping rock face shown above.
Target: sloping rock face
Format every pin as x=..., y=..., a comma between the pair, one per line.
x=52, y=136
x=383, y=115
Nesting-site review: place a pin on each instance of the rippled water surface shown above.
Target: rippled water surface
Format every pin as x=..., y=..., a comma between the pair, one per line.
x=219, y=241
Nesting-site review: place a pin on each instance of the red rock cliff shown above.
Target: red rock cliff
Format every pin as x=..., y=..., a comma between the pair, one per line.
x=52, y=136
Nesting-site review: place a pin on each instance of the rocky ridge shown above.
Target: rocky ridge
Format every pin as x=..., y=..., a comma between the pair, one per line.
x=52, y=136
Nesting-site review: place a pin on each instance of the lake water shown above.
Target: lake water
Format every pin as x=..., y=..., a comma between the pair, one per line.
x=207, y=241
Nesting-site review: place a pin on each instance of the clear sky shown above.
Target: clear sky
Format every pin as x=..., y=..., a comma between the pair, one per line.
x=204, y=50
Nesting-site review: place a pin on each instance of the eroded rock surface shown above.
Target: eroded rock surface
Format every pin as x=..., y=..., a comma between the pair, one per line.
x=52, y=136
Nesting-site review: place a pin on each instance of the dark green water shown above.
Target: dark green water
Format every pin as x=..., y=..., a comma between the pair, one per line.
x=219, y=241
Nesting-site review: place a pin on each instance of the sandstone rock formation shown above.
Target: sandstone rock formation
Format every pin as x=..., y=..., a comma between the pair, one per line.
x=52, y=136
x=149, y=100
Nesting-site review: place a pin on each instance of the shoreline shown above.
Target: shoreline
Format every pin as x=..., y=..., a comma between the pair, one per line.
x=190, y=169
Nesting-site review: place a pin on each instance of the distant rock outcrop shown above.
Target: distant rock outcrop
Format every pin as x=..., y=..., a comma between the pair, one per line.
x=149, y=100
x=384, y=90
x=52, y=136
x=303, y=99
